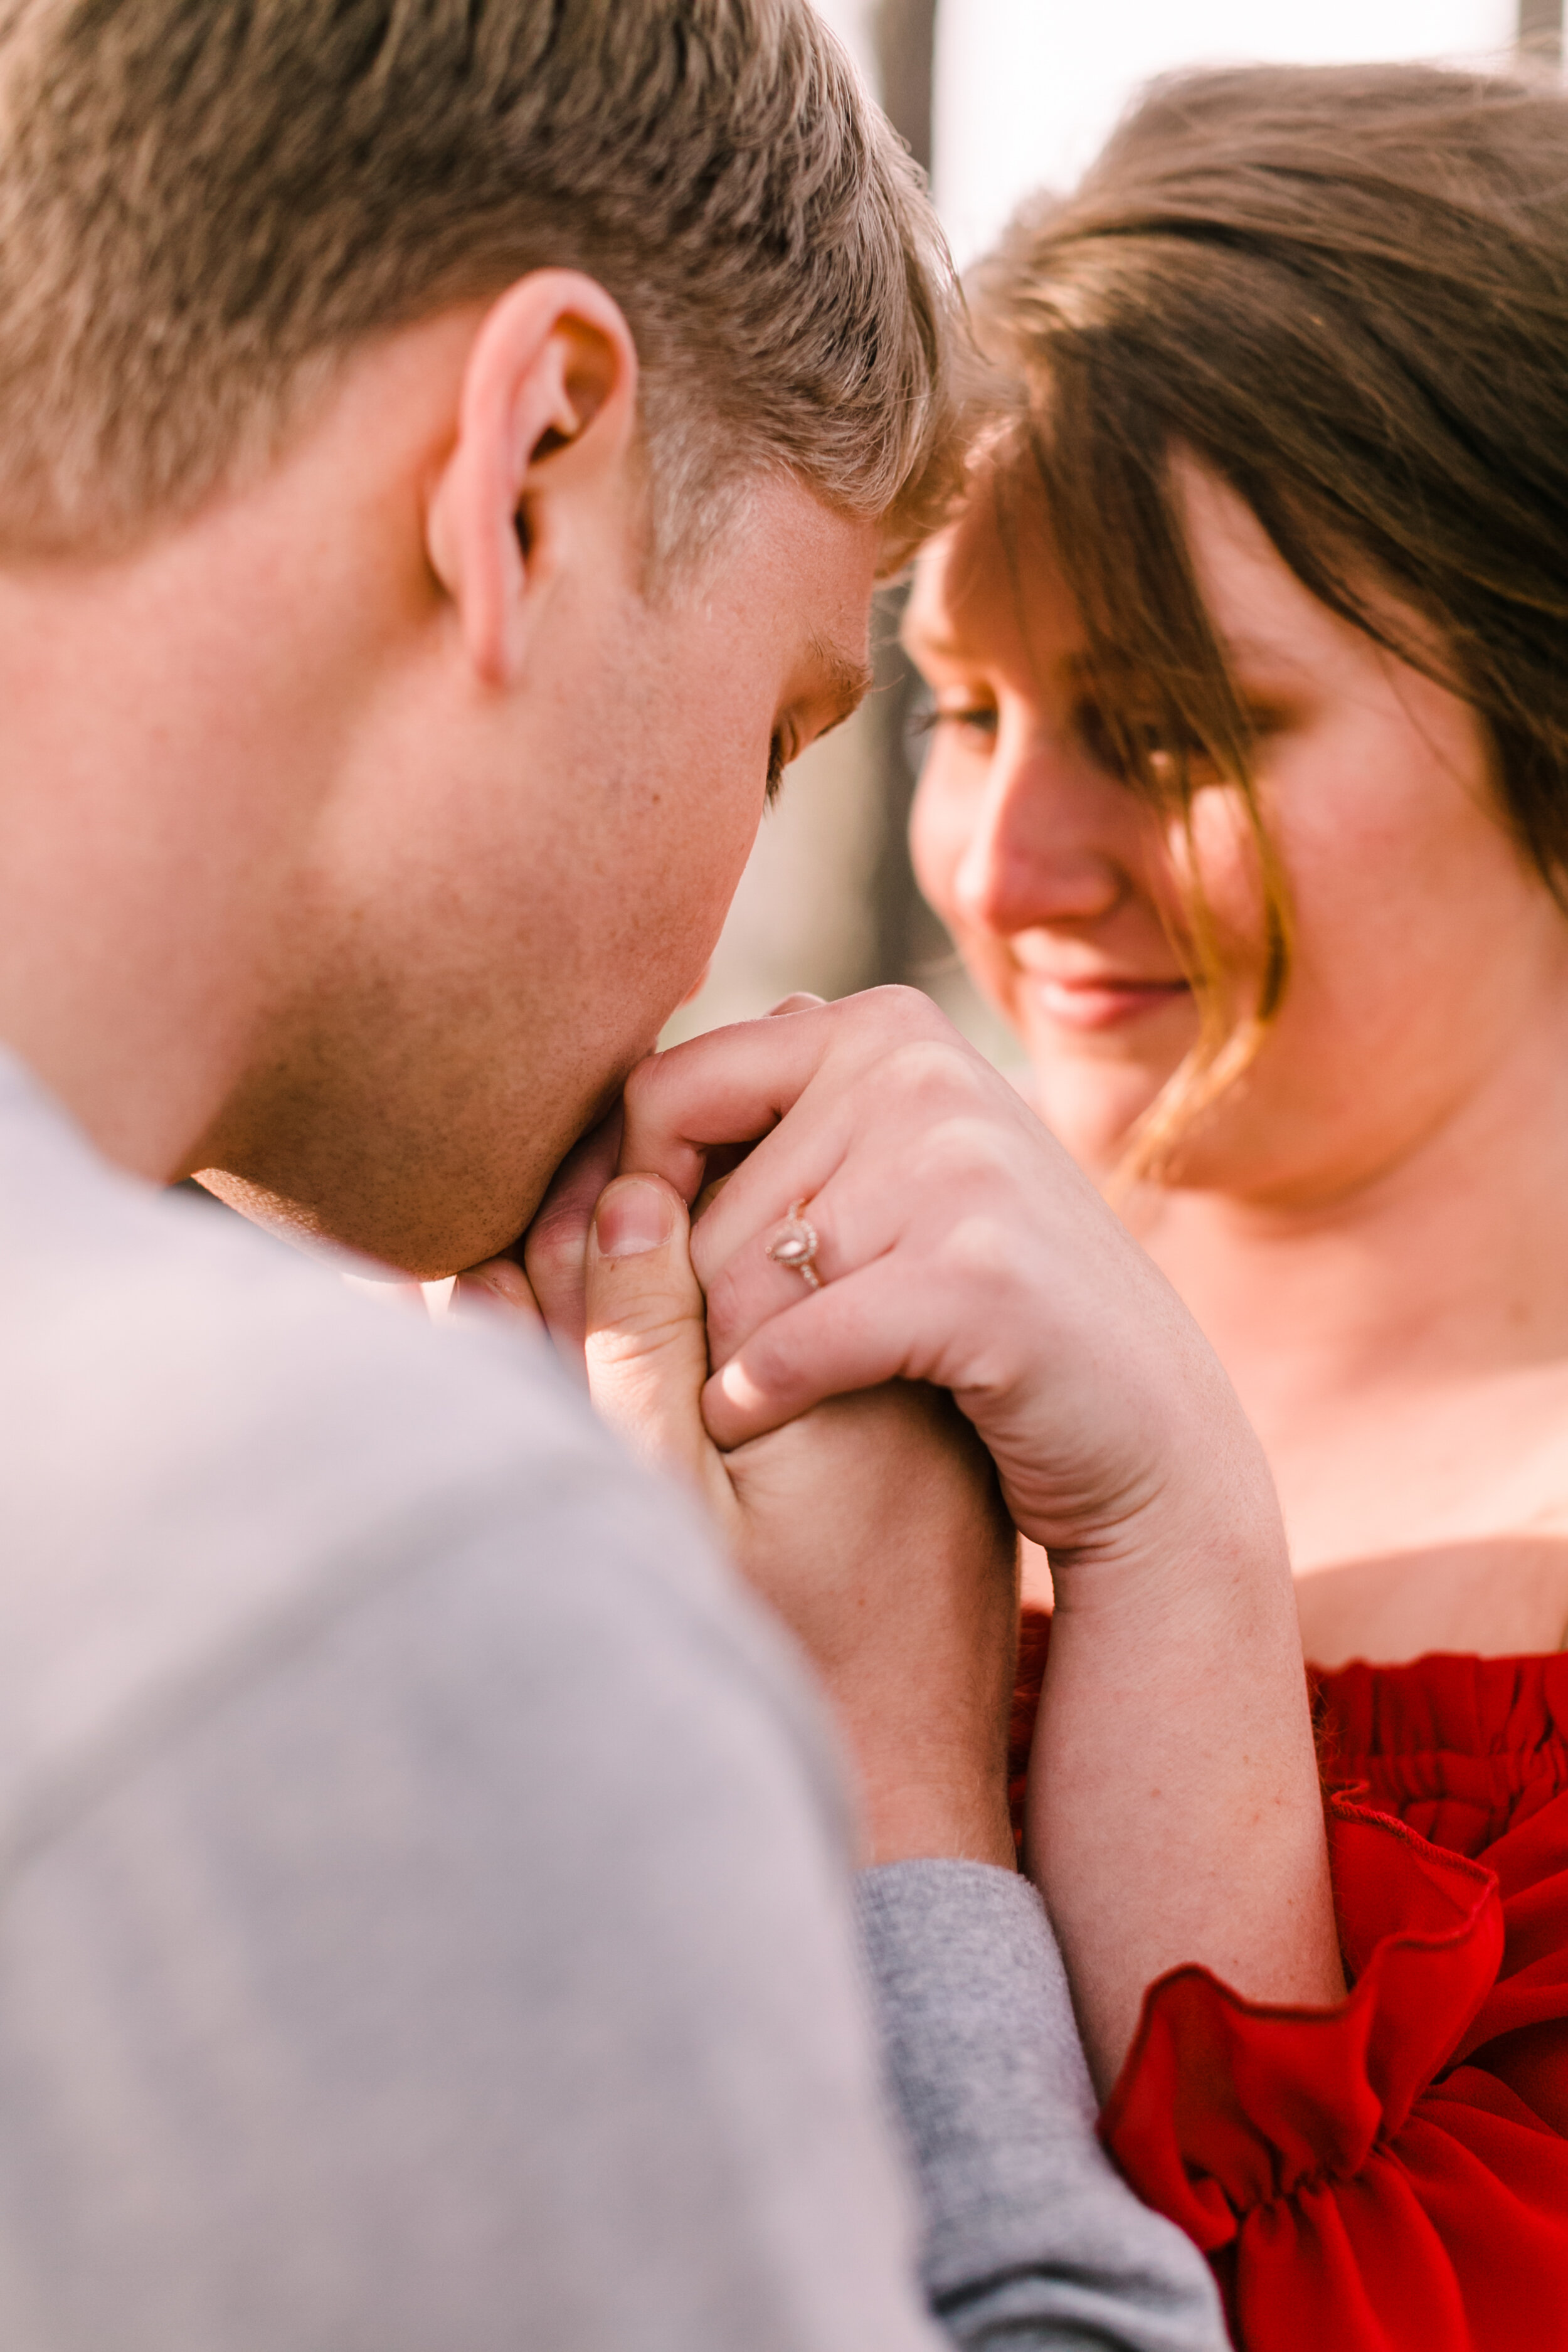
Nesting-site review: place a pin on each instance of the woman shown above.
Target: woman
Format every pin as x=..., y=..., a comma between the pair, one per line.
x=1246, y=802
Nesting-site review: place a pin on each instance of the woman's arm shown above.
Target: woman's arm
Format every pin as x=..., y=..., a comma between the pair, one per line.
x=1174, y=1811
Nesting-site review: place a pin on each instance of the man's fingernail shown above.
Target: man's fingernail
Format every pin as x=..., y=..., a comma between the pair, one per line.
x=633, y=1217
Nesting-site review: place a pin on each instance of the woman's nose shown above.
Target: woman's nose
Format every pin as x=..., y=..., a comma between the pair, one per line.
x=1045, y=848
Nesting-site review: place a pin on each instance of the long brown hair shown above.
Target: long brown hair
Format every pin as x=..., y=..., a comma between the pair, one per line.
x=1344, y=291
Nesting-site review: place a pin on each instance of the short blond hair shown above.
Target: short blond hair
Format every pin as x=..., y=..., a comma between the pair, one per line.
x=204, y=204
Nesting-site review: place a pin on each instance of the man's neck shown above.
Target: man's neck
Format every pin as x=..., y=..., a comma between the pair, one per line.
x=133, y=926
x=169, y=716
x=125, y=929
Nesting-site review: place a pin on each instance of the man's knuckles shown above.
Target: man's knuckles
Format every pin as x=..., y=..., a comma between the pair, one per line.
x=626, y=1330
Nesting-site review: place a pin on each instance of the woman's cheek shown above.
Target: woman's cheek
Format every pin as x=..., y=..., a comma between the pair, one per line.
x=1220, y=862
x=939, y=835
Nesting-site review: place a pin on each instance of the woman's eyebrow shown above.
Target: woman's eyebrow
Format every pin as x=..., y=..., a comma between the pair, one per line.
x=916, y=641
x=1111, y=674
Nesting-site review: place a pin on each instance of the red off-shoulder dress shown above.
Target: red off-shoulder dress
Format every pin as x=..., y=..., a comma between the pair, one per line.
x=1390, y=2175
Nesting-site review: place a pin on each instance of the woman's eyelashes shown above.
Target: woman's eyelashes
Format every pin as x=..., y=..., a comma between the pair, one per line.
x=1120, y=742
x=778, y=760
x=1123, y=743
x=974, y=719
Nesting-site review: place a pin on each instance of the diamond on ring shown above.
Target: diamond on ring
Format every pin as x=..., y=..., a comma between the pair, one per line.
x=794, y=1245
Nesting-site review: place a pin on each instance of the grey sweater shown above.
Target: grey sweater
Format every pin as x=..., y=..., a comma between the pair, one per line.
x=426, y=1921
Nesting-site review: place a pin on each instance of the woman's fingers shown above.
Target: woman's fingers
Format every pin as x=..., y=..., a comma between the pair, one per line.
x=853, y=1335
x=955, y=1242
x=735, y=1085
x=645, y=1343
x=731, y=1085
x=751, y=1285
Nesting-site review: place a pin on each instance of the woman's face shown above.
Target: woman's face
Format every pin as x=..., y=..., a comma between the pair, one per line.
x=1424, y=941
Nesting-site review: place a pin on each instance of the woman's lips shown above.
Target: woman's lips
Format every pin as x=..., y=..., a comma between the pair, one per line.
x=1103, y=1004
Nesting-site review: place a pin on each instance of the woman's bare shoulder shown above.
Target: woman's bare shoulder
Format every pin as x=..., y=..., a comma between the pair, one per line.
x=1494, y=1596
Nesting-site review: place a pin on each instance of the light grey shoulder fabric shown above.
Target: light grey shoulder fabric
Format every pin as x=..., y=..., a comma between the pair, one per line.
x=424, y=1922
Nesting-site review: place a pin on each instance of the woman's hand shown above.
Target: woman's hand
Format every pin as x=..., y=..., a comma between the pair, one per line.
x=872, y=1526
x=1175, y=1807
x=957, y=1244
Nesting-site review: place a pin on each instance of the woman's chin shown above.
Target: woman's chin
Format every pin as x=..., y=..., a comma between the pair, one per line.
x=1093, y=1106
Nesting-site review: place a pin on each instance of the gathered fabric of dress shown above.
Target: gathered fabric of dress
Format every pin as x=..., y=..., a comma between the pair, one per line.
x=1389, y=2174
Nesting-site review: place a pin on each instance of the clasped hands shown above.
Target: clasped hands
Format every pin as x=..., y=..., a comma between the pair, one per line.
x=988, y=1351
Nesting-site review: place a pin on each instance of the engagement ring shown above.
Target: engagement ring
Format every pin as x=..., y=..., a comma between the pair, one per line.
x=794, y=1245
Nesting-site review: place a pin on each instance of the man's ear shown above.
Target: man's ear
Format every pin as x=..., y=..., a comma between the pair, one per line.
x=548, y=408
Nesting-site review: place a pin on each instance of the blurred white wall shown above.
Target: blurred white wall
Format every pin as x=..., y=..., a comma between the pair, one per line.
x=851, y=20
x=1026, y=90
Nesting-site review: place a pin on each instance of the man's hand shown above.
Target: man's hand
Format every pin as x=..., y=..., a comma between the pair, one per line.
x=872, y=1526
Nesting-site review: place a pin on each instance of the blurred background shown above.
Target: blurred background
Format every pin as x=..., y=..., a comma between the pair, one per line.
x=997, y=98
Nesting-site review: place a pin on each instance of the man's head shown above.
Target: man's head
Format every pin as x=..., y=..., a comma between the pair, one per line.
x=444, y=455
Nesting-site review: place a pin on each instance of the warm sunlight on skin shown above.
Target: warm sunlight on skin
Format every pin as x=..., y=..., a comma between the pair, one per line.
x=478, y=958
x=414, y=960
x=1368, y=1227
x=1423, y=937
x=1048, y=874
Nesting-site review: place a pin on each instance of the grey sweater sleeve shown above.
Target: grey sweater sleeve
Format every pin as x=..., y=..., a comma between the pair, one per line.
x=1031, y=2237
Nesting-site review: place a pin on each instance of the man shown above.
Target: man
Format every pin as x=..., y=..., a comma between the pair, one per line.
x=445, y=453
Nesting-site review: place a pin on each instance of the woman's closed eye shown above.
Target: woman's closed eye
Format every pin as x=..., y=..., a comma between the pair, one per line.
x=970, y=719
x=1131, y=741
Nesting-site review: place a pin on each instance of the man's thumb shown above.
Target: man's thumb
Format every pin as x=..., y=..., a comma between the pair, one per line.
x=647, y=1341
